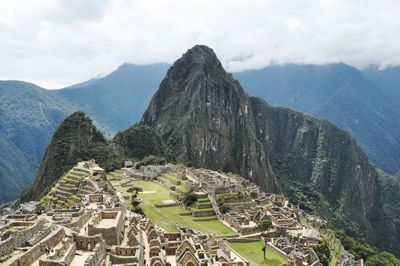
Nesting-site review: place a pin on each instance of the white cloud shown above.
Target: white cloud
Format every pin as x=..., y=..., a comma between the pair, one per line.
x=55, y=43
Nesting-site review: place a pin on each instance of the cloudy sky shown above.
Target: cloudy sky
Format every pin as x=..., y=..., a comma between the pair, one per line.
x=55, y=43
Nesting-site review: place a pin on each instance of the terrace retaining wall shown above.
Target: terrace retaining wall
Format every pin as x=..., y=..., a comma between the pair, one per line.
x=203, y=213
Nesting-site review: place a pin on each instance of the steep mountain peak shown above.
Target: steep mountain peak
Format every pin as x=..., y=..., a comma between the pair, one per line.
x=201, y=54
x=199, y=60
x=197, y=79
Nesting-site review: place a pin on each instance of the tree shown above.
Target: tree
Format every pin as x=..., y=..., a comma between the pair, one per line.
x=383, y=258
x=189, y=198
x=224, y=208
x=264, y=248
x=323, y=252
x=135, y=188
x=139, y=210
x=265, y=225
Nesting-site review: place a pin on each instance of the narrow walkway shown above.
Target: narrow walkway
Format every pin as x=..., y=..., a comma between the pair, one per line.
x=146, y=247
x=85, y=226
x=79, y=260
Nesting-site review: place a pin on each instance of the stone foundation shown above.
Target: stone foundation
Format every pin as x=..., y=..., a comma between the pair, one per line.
x=38, y=250
x=21, y=237
x=112, y=235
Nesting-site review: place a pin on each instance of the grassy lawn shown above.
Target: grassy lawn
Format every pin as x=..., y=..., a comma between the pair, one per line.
x=183, y=187
x=153, y=193
x=167, y=217
x=252, y=252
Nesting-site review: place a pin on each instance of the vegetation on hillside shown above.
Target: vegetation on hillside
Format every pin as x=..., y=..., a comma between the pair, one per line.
x=139, y=141
x=363, y=103
x=76, y=139
x=28, y=117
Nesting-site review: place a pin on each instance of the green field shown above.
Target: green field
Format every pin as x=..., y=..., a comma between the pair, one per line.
x=183, y=187
x=167, y=217
x=252, y=252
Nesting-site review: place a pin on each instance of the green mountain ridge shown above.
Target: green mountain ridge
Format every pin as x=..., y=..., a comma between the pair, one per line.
x=341, y=94
x=118, y=99
x=76, y=139
x=29, y=115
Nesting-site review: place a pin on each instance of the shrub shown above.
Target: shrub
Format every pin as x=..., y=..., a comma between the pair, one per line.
x=265, y=224
x=189, y=198
x=224, y=208
x=383, y=258
x=323, y=252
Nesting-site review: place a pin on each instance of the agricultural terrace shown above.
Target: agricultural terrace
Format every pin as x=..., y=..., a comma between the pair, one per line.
x=160, y=204
x=69, y=190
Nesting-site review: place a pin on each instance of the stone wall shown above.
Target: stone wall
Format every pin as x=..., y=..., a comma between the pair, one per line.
x=114, y=259
x=125, y=251
x=277, y=250
x=245, y=204
x=53, y=239
x=51, y=263
x=203, y=213
x=73, y=212
x=35, y=252
x=24, y=217
x=166, y=205
x=111, y=235
x=95, y=197
x=71, y=254
x=108, y=215
x=28, y=257
x=87, y=243
x=40, y=235
x=81, y=220
x=109, y=188
x=243, y=240
x=20, y=238
x=67, y=259
x=99, y=254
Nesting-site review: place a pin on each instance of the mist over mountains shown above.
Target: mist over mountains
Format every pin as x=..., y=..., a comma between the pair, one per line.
x=365, y=103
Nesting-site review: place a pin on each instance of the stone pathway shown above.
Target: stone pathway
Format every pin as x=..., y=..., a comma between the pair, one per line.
x=79, y=260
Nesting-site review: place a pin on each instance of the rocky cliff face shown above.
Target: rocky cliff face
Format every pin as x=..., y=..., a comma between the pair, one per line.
x=204, y=117
x=76, y=139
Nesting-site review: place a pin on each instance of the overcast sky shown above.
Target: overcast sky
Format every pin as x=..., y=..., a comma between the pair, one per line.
x=55, y=43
